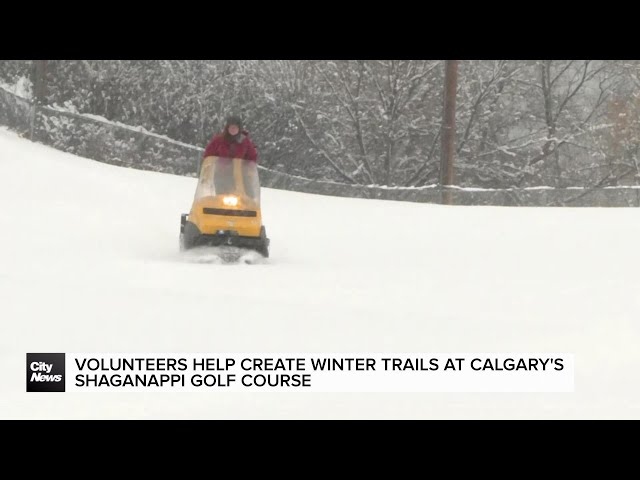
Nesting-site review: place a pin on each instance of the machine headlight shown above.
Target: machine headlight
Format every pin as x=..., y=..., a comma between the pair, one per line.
x=230, y=201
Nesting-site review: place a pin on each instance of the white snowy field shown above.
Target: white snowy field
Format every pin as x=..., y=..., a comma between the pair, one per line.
x=89, y=263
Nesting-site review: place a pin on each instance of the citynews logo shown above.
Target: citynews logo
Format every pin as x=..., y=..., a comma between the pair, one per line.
x=45, y=372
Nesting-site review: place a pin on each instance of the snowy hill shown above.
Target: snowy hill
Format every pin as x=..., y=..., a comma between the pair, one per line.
x=89, y=263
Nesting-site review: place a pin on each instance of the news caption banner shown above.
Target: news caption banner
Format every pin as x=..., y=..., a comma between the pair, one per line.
x=235, y=372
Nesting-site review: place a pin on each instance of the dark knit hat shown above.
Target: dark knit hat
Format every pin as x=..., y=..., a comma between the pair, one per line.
x=234, y=120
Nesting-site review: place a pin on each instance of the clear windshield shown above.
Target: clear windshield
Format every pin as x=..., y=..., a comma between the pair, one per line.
x=226, y=176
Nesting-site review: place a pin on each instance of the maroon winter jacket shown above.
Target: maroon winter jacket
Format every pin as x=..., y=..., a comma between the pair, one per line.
x=243, y=148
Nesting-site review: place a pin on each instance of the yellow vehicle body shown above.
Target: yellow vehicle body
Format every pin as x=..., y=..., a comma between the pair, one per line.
x=226, y=207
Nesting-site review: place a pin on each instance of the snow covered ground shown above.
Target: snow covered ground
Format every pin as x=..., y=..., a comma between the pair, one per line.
x=89, y=263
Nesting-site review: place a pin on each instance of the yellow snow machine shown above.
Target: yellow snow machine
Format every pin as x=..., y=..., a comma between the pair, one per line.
x=226, y=208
